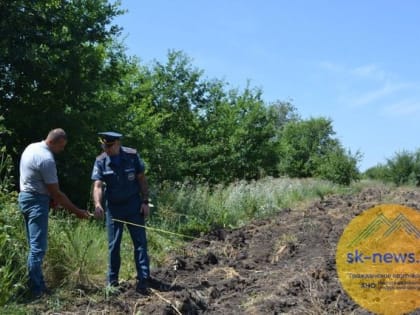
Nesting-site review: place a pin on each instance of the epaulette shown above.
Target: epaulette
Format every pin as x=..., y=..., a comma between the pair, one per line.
x=101, y=156
x=129, y=150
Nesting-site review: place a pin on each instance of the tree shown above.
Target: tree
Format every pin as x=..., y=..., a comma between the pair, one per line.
x=253, y=138
x=282, y=113
x=307, y=149
x=162, y=114
x=190, y=127
x=339, y=166
x=302, y=144
x=59, y=63
x=404, y=168
x=378, y=172
x=401, y=169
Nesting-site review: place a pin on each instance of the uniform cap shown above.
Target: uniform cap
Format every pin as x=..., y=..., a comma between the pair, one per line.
x=109, y=137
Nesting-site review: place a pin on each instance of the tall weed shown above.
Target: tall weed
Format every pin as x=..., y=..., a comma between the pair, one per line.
x=77, y=256
x=194, y=208
x=12, y=258
x=6, y=171
x=77, y=253
x=12, y=235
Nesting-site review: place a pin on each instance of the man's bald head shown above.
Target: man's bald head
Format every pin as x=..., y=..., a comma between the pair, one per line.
x=56, y=134
x=56, y=140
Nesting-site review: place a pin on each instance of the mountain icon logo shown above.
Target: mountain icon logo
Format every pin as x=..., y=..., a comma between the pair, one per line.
x=400, y=223
x=378, y=259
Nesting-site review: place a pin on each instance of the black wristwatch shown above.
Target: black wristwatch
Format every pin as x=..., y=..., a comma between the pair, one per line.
x=146, y=201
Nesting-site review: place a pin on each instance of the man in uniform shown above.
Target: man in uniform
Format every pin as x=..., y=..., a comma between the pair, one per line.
x=38, y=185
x=119, y=180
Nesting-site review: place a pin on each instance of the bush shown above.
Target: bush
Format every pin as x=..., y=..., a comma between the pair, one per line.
x=195, y=208
x=402, y=169
x=6, y=171
x=339, y=167
x=307, y=148
x=12, y=236
x=378, y=172
x=77, y=251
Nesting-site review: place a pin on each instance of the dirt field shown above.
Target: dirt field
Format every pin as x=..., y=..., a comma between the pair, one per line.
x=282, y=265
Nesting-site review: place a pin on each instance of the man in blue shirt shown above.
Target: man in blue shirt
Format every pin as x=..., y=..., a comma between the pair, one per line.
x=38, y=183
x=119, y=180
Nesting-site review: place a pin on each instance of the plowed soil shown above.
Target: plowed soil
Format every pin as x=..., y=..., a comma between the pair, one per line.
x=281, y=265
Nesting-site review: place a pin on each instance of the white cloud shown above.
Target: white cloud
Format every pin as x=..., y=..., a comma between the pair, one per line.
x=372, y=96
x=370, y=84
x=331, y=66
x=370, y=72
x=404, y=108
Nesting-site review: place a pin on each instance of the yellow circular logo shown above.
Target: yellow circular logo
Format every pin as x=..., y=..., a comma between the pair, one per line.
x=378, y=259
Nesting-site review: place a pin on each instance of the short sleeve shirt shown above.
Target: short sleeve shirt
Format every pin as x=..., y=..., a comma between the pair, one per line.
x=37, y=168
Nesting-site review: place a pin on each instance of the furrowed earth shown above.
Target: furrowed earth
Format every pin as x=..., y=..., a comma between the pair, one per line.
x=281, y=265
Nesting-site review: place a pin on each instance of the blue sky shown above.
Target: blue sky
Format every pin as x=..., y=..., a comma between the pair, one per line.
x=355, y=62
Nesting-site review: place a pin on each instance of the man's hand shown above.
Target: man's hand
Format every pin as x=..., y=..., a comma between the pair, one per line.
x=53, y=204
x=144, y=209
x=82, y=214
x=99, y=212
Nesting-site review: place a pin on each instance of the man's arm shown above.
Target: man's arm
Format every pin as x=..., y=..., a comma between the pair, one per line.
x=144, y=187
x=97, y=198
x=64, y=201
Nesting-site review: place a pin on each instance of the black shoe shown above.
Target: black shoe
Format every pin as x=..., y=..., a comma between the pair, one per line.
x=153, y=283
x=143, y=291
x=39, y=294
x=47, y=291
x=159, y=285
x=143, y=287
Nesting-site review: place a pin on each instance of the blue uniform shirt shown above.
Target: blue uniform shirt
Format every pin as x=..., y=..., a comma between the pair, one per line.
x=120, y=176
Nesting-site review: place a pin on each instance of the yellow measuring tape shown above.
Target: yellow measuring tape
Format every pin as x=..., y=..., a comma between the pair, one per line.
x=160, y=230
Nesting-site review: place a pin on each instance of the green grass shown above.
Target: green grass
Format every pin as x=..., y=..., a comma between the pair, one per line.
x=197, y=208
x=77, y=252
x=12, y=249
x=76, y=260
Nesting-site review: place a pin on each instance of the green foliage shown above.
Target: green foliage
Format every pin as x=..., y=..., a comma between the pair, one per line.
x=12, y=251
x=307, y=149
x=193, y=208
x=339, y=167
x=62, y=60
x=402, y=169
x=303, y=144
x=77, y=253
x=253, y=148
x=236, y=138
x=378, y=172
x=12, y=237
x=189, y=127
x=282, y=113
x=59, y=60
x=6, y=171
